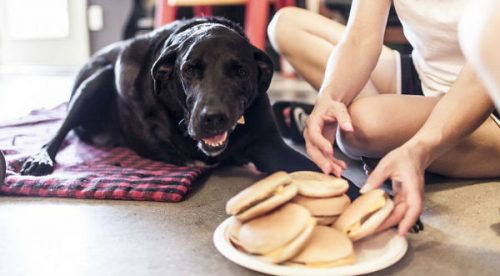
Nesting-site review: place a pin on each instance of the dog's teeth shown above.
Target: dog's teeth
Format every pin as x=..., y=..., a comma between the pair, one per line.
x=217, y=140
x=241, y=120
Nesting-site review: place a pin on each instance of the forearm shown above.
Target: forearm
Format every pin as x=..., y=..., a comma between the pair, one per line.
x=457, y=114
x=351, y=62
x=348, y=69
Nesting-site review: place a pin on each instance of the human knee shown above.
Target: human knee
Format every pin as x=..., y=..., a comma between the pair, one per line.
x=362, y=141
x=281, y=27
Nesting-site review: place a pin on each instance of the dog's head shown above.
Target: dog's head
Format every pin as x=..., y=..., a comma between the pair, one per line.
x=214, y=74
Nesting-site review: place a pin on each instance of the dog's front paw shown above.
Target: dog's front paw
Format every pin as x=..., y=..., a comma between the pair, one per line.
x=38, y=164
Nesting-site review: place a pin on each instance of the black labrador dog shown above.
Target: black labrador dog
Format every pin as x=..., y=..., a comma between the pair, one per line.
x=190, y=93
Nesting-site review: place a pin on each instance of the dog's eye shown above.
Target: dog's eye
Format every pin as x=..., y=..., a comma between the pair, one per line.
x=189, y=71
x=242, y=72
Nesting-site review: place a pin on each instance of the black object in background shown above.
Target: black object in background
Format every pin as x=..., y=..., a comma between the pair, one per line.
x=140, y=19
x=3, y=168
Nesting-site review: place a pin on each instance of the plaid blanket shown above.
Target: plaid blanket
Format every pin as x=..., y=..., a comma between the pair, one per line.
x=86, y=171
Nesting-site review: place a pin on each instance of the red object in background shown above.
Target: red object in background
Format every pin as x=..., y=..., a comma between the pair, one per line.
x=256, y=16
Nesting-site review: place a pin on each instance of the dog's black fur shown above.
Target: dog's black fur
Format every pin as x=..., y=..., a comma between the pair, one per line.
x=164, y=93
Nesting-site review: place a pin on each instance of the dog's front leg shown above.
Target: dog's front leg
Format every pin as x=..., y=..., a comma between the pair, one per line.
x=83, y=102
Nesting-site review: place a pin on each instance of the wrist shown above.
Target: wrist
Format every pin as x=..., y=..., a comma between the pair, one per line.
x=326, y=93
x=422, y=149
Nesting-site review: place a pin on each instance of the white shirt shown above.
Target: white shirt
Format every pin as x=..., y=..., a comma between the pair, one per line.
x=431, y=28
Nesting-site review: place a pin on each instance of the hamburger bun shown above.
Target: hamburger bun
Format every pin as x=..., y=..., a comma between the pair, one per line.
x=365, y=214
x=325, y=210
x=325, y=220
x=315, y=184
x=278, y=235
x=262, y=197
x=234, y=232
x=327, y=206
x=327, y=247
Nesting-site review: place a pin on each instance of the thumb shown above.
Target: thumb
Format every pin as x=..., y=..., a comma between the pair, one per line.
x=375, y=179
x=343, y=118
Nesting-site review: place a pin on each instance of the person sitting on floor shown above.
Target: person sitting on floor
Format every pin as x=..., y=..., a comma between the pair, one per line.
x=380, y=99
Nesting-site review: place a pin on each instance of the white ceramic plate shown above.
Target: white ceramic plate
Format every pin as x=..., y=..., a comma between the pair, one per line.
x=372, y=254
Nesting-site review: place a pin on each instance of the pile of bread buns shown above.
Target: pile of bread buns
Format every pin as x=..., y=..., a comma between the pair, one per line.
x=304, y=218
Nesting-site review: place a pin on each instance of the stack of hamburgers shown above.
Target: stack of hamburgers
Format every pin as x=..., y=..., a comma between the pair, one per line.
x=303, y=218
x=323, y=195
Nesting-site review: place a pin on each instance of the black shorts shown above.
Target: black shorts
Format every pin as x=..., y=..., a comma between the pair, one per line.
x=411, y=84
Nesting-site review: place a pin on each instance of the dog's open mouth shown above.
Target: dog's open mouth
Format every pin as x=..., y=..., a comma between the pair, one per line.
x=214, y=145
x=215, y=141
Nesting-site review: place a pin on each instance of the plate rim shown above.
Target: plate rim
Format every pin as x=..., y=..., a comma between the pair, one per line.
x=225, y=248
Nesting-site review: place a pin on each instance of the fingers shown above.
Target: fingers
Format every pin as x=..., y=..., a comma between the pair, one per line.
x=320, y=132
x=320, y=149
x=316, y=126
x=376, y=178
x=414, y=202
x=408, y=205
x=316, y=155
x=399, y=210
x=314, y=131
x=407, y=182
x=409, y=220
x=405, y=216
x=327, y=164
x=395, y=217
x=343, y=118
x=337, y=169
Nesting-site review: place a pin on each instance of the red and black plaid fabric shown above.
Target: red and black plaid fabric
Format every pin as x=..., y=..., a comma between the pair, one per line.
x=86, y=171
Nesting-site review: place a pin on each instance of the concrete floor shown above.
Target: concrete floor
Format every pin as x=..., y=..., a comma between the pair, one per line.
x=48, y=236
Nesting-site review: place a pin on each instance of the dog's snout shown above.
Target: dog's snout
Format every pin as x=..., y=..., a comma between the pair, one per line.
x=213, y=119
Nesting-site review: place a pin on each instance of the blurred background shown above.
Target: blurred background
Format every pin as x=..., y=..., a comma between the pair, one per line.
x=44, y=42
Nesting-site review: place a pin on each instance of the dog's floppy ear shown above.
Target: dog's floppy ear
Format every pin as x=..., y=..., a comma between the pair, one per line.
x=163, y=68
x=265, y=70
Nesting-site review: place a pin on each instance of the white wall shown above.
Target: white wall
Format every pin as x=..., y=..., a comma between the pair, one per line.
x=69, y=47
x=0, y=47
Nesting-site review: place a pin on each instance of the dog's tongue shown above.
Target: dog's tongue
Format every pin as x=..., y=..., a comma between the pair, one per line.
x=217, y=139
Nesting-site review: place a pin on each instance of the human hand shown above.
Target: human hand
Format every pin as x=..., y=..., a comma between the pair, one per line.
x=406, y=170
x=320, y=131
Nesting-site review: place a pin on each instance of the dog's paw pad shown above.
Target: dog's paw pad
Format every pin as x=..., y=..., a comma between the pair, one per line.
x=38, y=164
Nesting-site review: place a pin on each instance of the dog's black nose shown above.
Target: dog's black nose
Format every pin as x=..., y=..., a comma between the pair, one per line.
x=213, y=119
